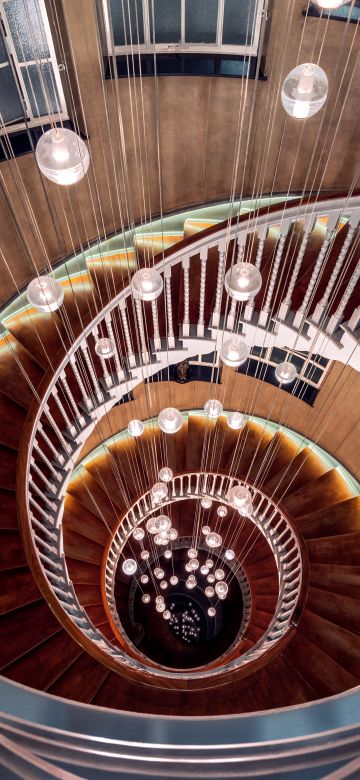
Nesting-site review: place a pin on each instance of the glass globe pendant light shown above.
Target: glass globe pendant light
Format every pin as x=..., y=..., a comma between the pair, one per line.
x=206, y=502
x=221, y=511
x=166, y=474
x=205, y=530
x=239, y=497
x=234, y=352
x=138, y=533
x=159, y=491
x=330, y=4
x=174, y=579
x=105, y=348
x=170, y=420
x=243, y=281
x=145, y=598
x=146, y=284
x=213, y=408
x=229, y=554
x=209, y=592
x=211, y=611
x=62, y=156
x=213, y=539
x=221, y=589
x=135, y=427
x=285, y=373
x=129, y=566
x=45, y=294
x=236, y=421
x=304, y=90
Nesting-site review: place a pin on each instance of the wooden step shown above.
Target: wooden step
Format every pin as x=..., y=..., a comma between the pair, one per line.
x=81, y=680
x=343, y=580
x=42, y=665
x=17, y=588
x=339, y=609
x=148, y=245
x=327, y=490
x=344, y=518
x=340, y=644
x=111, y=272
x=8, y=514
x=340, y=549
x=81, y=548
x=316, y=666
x=42, y=334
x=25, y=628
x=197, y=435
x=19, y=372
x=12, y=417
x=279, y=452
x=83, y=522
x=304, y=468
x=83, y=572
x=8, y=460
x=12, y=555
x=253, y=441
x=89, y=493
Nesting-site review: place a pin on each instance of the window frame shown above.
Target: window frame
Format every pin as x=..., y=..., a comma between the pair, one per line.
x=17, y=67
x=184, y=47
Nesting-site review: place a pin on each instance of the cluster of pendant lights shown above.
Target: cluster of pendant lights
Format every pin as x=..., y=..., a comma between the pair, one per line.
x=160, y=529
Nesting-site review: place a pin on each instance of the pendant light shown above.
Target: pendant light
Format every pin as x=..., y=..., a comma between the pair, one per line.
x=62, y=156
x=304, y=90
x=45, y=294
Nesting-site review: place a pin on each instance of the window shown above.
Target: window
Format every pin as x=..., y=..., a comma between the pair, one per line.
x=30, y=84
x=199, y=26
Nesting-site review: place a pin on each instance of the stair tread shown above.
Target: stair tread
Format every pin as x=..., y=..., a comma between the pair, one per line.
x=323, y=492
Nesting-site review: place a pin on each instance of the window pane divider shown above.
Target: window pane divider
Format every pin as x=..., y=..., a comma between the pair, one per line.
x=220, y=23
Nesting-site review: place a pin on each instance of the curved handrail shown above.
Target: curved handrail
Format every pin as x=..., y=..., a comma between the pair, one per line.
x=325, y=733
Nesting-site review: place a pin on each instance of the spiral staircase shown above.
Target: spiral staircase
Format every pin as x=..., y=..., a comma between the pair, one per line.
x=57, y=627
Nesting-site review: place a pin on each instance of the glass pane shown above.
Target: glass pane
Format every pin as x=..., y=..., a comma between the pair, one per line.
x=201, y=21
x=167, y=21
x=10, y=102
x=239, y=20
x=41, y=89
x=127, y=21
x=3, y=52
x=27, y=29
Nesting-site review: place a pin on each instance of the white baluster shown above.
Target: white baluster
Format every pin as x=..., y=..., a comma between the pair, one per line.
x=230, y=321
x=336, y=318
x=78, y=416
x=264, y=314
x=34, y=466
x=155, y=318
x=57, y=455
x=98, y=391
x=65, y=444
x=130, y=355
x=110, y=330
x=41, y=494
x=70, y=425
x=169, y=311
x=76, y=372
x=186, y=321
x=241, y=241
x=309, y=223
x=215, y=321
x=322, y=305
x=331, y=225
x=203, y=263
x=262, y=233
x=46, y=460
x=141, y=326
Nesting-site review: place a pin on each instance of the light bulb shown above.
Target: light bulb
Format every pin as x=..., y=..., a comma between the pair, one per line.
x=239, y=497
x=105, y=348
x=144, y=579
x=170, y=420
x=206, y=502
x=174, y=579
x=45, y=293
x=236, y=420
x=165, y=474
x=146, y=284
x=219, y=574
x=209, y=592
x=209, y=563
x=173, y=534
x=221, y=589
x=285, y=373
x=159, y=573
x=211, y=611
x=144, y=555
x=229, y=555
x=221, y=511
x=331, y=4
x=205, y=530
x=213, y=539
x=62, y=156
x=210, y=578
x=243, y=281
x=159, y=491
x=145, y=598
x=135, y=427
x=234, y=352
x=213, y=408
x=167, y=614
x=138, y=534
x=160, y=606
x=129, y=566
x=168, y=554
x=192, y=552
x=204, y=570
x=163, y=584
x=304, y=90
